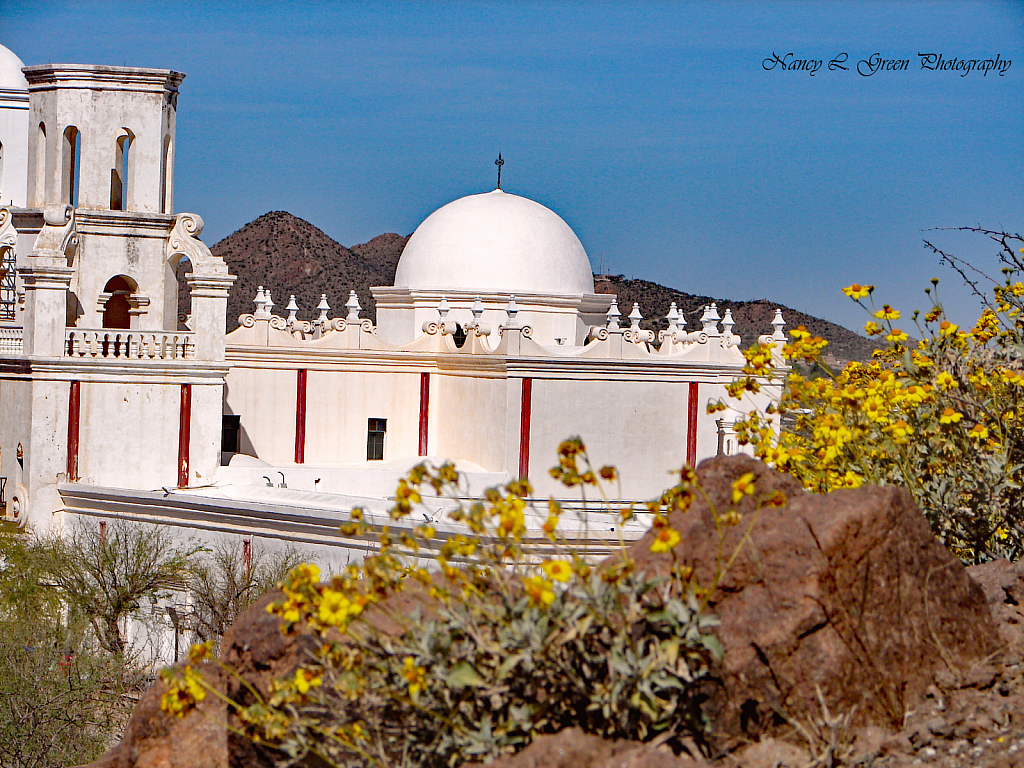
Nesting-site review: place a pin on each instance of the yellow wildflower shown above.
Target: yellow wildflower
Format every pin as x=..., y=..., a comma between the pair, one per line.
x=666, y=539
x=305, y=679
x=742, y=486
x=949, y=416
x=857, y=291
x=539, y=590
x=415, y=676
x=887, y=313
x=559, y=570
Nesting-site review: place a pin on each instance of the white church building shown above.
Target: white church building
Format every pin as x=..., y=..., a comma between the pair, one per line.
x=490, y=348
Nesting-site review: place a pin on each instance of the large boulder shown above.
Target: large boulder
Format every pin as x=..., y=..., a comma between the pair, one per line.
x=843, y=601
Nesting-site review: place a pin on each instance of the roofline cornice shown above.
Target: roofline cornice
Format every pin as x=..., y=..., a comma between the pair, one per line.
x=48, y=77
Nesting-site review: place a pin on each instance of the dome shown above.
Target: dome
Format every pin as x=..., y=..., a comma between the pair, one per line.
x=495, y=243
x=11, y=77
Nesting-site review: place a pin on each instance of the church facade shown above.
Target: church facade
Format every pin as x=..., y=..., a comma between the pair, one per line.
x=490, y=348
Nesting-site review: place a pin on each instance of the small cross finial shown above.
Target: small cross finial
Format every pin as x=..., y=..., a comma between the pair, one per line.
x=499, y=162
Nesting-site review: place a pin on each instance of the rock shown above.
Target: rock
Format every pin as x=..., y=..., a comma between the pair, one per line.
x=848, y=594
x=572, y=748
x=1002, y=582
x=771, y=753
x=154, y=739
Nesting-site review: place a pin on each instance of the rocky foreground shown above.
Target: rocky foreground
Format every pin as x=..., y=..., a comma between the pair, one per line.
x=852, y=637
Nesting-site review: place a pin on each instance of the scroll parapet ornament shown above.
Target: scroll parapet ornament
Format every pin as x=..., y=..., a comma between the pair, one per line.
x=59, y=236
x=184, y=241
x=8, y=234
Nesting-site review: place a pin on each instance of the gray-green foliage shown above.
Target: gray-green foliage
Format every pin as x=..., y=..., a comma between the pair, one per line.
x=617, y=654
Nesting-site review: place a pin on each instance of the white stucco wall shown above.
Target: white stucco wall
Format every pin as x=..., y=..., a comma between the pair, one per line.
x=129, y=434
x=338, y=405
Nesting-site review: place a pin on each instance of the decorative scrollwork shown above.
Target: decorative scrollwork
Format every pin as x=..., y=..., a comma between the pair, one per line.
x=702, y=338
x=527, y=331
x=8, y=234
x=278, y=323
x=366, y=325
x=431, y=328
x=339, y=324
x=247, y=321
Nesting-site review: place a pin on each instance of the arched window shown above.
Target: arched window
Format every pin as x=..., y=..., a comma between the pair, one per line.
x=116, y=310
x=119, y=175
x=71, y=156
x=166, y=166
x=40, y=193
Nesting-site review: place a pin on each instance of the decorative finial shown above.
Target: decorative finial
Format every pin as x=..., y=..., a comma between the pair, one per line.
x=672, y=316
x=324, y=308
x=512, y=310
x=353, y=307
x=268, y=302
x=613, y=315
x=780, y=325
x=499, y=162
x=478, y=310
x=293, y=310
x=635, y=317
x=442, y=308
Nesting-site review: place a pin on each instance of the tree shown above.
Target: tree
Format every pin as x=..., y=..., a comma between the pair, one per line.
x=104, y=572
x=225, y=581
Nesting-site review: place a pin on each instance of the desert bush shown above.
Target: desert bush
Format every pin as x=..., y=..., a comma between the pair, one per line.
x=103, y=573
x=512, y=635
x=943, y=416
x=223, y=582
x=63, y=699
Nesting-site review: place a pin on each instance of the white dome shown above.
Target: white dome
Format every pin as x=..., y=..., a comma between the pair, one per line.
x=495, y=243
x=11, y=77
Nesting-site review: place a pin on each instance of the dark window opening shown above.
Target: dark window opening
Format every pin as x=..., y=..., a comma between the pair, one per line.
x=117, y=309
x=230, y=426
x=459, y=337
x=375, y=429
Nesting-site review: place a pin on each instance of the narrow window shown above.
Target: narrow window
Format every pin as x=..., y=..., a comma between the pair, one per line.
x=375, y=429
x=71, y=161
x=40, y=193
x=119, y=176
x=165, y=177
x=230, y=426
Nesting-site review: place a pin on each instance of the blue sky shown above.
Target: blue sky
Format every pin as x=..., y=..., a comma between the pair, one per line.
x=653, y=129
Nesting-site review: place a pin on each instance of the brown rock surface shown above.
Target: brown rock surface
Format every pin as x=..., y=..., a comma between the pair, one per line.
x=848, y=593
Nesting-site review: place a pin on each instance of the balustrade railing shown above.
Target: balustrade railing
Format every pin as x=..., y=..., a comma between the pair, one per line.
x=129, y=344
x=11, y=339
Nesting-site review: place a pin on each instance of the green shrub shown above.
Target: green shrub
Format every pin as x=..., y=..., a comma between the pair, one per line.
x=943, y=417
x=510, y=637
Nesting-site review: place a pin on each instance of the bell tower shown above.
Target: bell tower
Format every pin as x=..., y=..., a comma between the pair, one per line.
x=101, y=140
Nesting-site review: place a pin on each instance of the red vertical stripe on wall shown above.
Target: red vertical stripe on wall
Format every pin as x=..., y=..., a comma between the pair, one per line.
x=300, y=416
x=74, y=414
x=424, y=411
x=691, y=425
x=184, y=428
x=524, y=428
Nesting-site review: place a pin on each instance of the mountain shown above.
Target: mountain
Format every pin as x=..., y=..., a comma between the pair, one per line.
x=290, y=256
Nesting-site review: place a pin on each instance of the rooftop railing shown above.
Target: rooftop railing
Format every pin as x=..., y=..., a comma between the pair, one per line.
x=130, y=344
